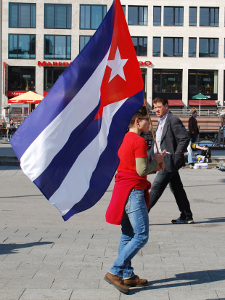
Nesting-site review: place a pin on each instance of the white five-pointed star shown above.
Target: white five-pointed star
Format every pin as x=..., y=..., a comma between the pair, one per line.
x=117, y=66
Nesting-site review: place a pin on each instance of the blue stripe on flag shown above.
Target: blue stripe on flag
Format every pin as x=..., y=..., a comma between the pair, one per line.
x=50, y=180
x=66, y=87
x=108, y=161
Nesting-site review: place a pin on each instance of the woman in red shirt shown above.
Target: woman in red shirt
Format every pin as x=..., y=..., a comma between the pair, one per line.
x=130, y=201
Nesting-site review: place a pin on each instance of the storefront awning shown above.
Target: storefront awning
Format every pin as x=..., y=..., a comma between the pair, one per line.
x=28, y=97
x=175, y=102
x=202, y=102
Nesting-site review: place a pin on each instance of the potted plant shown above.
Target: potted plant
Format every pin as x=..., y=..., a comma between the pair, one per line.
x=175, y=88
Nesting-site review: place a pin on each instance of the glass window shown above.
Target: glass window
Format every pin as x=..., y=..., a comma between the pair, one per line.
x=91, y=16
x=192, y=16
x=208, y=47
x=137, y=15
x=167, y=81
x=51, y=74
x=157, y=15
x=140, y=45
x=57, y=16
x=156, y=46
x=173, y=16
x=209, y=16
x=192, y=47
x=21, y=78
x=83, y=40
x=21, y=46
x=22, y=15
x=203, y=81
x=172, y=46
x=57, y=46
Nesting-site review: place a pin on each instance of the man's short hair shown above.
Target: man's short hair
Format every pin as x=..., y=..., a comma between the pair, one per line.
x=162, y=100
x=142, y=112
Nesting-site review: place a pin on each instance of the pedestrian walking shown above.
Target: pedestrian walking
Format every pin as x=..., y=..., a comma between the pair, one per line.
x=130, y=201
x=193, y=127
x=172, y=136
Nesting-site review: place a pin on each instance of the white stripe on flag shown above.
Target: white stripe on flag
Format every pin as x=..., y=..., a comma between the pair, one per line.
x=51, y=140
x=76, y=183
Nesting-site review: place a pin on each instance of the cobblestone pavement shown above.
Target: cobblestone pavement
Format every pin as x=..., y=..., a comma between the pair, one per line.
x=43, y=257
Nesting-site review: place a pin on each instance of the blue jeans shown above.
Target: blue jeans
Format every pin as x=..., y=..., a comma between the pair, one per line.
x=135, y=232
x=189, y=157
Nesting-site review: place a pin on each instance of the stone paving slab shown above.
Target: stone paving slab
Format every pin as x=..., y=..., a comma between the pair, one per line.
x=43, y=257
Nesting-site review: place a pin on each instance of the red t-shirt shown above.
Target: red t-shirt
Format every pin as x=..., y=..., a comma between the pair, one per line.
x=133, y=146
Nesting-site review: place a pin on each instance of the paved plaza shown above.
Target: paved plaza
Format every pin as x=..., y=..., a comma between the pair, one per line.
x=43, y=257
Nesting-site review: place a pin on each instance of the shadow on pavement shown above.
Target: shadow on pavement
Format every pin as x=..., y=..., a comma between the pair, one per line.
x=13, y=248
x=208, y=221
x=184, y=279
x=21, y=196
x=212, y=220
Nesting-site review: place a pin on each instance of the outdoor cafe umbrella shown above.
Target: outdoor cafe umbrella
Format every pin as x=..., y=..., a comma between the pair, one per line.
x=199, y=97
x=29, y=97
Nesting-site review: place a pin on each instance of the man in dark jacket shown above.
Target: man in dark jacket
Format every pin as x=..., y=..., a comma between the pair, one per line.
x=172, y=136
x=193, y=127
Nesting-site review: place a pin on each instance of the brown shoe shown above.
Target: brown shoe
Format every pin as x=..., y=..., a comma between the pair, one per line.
x=117, y=282
x=135, y=281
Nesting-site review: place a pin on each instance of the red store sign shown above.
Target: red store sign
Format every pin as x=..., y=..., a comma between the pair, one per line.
x=15, y=93
x=66, y=64
x=146, y=63
x=53, y=64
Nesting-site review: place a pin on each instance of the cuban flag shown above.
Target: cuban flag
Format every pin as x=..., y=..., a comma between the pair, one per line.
x=68, y=145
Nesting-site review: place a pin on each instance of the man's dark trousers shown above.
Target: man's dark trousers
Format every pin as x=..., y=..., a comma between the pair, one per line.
x=173, y=178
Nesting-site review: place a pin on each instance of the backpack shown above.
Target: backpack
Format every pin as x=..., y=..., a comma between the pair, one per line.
x=206, y=153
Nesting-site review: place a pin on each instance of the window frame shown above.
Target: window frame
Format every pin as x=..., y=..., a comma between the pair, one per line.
x=139, y=38
x=192, y=38
x=66, y=47
x=209, y=17
x=68, y=13
x=52, y=70
x=18, y=41
x=19, y=77
x=175, y=39
x=167, y=82
x=158, y=38
x=193, y=7
x=85, y=43
x=197, y=83
x=209, y=46
x=144, y=13
x=174, y=8
x=19, y=9
x=91, y=6
x=160, y=16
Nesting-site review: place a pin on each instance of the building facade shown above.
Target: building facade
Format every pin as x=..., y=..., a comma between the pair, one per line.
x=180, y=46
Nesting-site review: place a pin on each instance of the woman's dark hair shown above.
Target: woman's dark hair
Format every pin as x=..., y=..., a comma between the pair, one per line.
x=142, y=112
